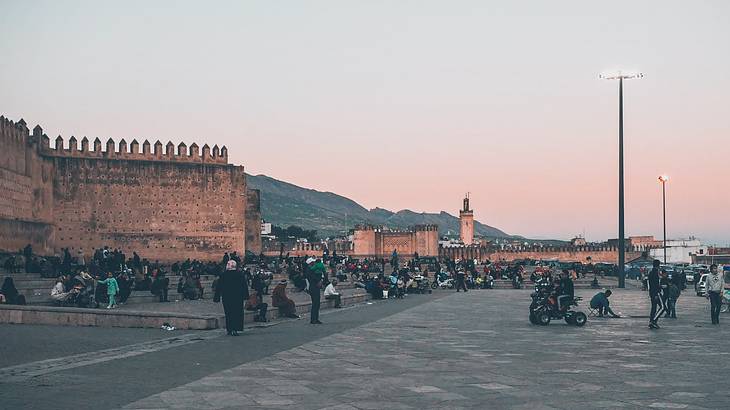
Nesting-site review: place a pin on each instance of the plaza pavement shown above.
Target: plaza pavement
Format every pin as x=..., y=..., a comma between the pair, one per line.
x=478, y=350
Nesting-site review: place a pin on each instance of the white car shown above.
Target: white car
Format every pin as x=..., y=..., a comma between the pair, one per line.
x=701, y=286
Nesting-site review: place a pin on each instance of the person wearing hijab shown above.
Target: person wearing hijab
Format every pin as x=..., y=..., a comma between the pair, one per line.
x=10, y=293
x=233, y=290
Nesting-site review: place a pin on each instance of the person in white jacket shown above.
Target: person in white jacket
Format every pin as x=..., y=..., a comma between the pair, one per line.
x=714, y=293
x=331, y=293
x=58, y=292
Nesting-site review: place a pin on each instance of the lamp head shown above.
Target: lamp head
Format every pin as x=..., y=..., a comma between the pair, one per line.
x=664, y=178
x=620, y=75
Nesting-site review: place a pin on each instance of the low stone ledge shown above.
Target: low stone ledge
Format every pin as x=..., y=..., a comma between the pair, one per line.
x=66, y=316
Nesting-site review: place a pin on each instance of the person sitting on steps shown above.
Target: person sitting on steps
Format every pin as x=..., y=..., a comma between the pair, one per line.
x=279, y=299
x=255, y=303
x=331, y=293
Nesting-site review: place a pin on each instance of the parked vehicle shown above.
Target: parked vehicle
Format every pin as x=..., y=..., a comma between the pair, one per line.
x=544, y=308
x=443, y=283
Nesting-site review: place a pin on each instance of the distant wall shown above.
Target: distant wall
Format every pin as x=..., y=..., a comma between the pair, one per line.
x=165, y=202
x=601, y=254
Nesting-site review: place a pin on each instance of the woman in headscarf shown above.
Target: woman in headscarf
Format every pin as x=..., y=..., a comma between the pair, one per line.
x=10, y=293
x=233, y=290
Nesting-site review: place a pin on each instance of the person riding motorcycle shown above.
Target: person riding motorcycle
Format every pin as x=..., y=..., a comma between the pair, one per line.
x=565, y=291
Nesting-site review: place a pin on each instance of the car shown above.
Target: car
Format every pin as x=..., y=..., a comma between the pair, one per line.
x=689, y=274
x=701, y=285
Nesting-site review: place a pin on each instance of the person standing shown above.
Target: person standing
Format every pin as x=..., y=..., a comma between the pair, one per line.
x=655, y=291
x=714, y=293
x=315, y=279
x=673, y=293
x=233, y=290
x=112, y=288
x=460, y=282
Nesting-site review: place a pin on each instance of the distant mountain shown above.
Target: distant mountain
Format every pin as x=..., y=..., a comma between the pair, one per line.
x=285, y=204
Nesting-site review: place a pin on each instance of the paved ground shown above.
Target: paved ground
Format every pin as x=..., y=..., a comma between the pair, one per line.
x=208, y=307
x=474, y=350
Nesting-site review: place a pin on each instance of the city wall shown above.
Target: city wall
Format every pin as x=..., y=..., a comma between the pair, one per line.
x=253, y=221
x=166, y=203
x=597, y=254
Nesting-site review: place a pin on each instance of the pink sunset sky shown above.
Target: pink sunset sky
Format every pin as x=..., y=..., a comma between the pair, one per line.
x=406, y=104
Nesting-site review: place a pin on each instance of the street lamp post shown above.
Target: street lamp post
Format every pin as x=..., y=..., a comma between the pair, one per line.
x=663, y=179
x=621, y=235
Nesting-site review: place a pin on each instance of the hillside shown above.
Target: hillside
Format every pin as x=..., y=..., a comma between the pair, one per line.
x=330, y=214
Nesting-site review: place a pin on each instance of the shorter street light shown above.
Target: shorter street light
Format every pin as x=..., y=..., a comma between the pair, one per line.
x=663, y=179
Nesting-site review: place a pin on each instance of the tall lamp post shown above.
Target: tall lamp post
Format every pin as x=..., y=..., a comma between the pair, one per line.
x=621, y=235
x=663, y=179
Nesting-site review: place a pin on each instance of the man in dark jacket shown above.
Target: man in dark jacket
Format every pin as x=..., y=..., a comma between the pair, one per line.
x=567, y=291
x=315, y=276
x=655, y=292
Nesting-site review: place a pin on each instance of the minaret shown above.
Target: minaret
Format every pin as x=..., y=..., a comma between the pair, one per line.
x=466, y=218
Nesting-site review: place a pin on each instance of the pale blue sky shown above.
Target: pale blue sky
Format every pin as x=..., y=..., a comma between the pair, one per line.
x=405, y=104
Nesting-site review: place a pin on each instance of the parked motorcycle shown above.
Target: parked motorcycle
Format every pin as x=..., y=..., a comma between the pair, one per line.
x=447, y=283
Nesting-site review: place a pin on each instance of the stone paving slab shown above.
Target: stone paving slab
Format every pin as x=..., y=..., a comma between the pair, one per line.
x=478, y=350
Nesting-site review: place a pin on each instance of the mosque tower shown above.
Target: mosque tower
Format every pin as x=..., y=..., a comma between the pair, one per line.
x=466, y=219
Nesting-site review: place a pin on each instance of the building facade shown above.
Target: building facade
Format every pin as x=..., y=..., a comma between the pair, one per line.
x=378, y=242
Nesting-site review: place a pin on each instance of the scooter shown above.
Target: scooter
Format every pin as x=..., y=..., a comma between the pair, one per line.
x=443, y=282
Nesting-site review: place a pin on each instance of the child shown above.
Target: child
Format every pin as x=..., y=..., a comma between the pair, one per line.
x=672, y=296
x=112, y=288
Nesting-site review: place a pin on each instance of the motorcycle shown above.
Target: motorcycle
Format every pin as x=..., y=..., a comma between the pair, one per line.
x=443, y=281
x=420, y=285
x=544, y=307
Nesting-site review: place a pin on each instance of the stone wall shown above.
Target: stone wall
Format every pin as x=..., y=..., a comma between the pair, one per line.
x=167, y=210
x=166, y=204
x=598, y=254
x=26, y=187
x=253, y=221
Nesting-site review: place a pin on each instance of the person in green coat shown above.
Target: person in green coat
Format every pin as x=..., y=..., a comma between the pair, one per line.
x=112, y=288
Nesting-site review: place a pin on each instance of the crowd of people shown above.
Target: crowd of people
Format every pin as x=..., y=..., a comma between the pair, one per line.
x=109, y=276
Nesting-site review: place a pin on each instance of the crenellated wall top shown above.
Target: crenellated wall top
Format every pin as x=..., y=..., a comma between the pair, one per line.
x=17, y=132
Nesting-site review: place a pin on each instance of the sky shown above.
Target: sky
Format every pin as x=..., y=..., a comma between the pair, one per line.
x=407, y=104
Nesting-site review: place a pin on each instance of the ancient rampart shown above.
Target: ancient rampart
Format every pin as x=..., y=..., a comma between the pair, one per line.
x=167, y=203
x=604, y=254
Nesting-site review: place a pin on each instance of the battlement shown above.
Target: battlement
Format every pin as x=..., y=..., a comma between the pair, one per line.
x=122, y=151
x=13, y=132
x=427, y=227
x=17, y=133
